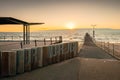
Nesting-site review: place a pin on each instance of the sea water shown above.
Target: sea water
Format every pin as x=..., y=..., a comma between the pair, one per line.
x=104, y=35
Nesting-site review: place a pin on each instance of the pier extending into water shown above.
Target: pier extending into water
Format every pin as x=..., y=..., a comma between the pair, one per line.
x=92, y=63
x=91, y=50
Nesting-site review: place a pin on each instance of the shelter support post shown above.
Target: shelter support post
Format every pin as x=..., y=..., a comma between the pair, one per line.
x=24, y=29
x=27, y=34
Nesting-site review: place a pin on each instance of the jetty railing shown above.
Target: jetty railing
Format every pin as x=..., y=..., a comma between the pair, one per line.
x=20, y=38
x=19, y=44
x=111, y=48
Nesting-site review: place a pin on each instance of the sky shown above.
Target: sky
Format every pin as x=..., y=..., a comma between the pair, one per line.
x=57, y=14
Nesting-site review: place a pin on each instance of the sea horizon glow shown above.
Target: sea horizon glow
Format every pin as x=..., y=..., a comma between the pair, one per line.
x=70, y=25
x=107, y=35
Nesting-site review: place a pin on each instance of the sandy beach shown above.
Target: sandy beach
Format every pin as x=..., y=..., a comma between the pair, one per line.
x=10, y=45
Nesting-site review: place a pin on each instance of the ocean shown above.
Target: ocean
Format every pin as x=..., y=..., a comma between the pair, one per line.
x=104, y=35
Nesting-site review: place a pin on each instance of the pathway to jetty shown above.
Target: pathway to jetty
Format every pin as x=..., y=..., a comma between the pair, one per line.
x=95, y=64
x=75, y=69
x=90, y=50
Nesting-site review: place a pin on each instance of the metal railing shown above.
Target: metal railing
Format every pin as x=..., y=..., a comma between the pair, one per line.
x=33, y=43
x=20, y=38
x=111, y=48
x=10, y=38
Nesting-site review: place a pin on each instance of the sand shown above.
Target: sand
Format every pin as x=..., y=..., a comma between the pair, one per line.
x=10, y=45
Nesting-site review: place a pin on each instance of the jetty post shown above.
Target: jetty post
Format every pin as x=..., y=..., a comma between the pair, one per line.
x=35, y=43
x=113, y=50
x=108, y=47
x=44, y=41
x=51, y=40
x=93, y=30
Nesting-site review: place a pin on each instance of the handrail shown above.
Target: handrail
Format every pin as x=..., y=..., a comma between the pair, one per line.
x=109, y=48
x=14, y=38
x=50, y=41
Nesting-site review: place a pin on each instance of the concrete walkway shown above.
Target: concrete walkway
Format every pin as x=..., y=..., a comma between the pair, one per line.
x=99, y=69
x=75, y=69
x=90, y=50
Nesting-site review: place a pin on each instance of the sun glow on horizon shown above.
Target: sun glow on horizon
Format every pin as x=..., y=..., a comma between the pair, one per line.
x=70, y=25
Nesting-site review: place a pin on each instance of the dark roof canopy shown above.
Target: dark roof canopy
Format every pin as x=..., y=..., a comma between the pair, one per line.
x=26, y=27
x=10, y=20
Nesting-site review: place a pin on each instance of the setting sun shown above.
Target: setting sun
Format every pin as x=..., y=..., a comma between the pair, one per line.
x=70, y=25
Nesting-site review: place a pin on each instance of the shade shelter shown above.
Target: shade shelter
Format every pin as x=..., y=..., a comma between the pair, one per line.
x=26, y=26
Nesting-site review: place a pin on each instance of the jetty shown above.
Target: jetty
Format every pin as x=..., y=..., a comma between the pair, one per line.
x=91, y=63
x=91, y=50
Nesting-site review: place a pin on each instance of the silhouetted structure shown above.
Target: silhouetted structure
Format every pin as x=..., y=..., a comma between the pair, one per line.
x=26, y=26
x=88, y=40
x=93, y=30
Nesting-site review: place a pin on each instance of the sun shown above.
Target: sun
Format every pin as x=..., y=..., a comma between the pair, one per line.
x=70, y=25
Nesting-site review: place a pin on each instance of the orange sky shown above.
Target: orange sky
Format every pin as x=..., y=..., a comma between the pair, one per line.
x=57, y=13
x=19, y=28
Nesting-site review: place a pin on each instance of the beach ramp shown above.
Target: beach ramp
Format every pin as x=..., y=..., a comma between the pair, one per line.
x=99, y=69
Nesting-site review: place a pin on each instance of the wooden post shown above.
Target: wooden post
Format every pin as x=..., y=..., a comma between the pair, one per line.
x=44, y=41
x=55, y=39
x=108, y=48
x=21, y=44
x=12, y=38
x=35, y=43
x=60, y=39
x=51, y=40
x=113, y=50
x=104, y=45
x=4, y=38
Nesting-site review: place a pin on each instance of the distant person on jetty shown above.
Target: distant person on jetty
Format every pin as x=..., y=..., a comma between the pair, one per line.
x=88, y=40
